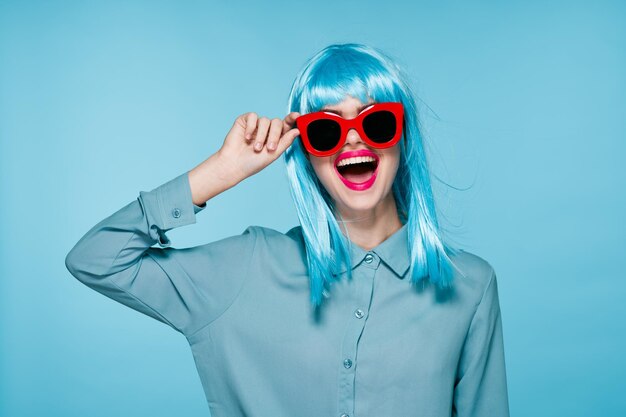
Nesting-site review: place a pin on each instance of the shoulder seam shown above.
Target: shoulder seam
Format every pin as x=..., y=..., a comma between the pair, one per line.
x=148, y=305
x=491, y=278
x=471, y=323
x=247, y=277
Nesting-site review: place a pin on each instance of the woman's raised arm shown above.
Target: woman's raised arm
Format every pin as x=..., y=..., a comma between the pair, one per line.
x=185, y=288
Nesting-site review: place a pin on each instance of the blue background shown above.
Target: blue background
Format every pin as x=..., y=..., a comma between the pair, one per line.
x=524, y=112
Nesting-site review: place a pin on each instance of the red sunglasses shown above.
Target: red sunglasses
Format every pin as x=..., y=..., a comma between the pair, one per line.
x=324, y=133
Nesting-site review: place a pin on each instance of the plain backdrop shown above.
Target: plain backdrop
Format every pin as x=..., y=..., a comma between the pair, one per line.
x=524, y=114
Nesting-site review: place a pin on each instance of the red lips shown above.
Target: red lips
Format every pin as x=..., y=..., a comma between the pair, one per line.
x=358, y=186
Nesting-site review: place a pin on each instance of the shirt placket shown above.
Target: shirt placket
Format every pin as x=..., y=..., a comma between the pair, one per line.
x=363, y=276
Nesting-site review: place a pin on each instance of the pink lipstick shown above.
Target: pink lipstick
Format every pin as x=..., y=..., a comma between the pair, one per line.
x=360, y=186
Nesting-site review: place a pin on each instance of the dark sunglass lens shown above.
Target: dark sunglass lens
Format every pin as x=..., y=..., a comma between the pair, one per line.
x=323, y=134
x=380, y=126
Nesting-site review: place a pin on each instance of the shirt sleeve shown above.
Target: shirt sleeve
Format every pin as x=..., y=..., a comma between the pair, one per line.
x=480, y=386
x=185, y=288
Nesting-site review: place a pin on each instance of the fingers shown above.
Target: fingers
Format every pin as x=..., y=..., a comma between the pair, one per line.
x=278, y=133
x=287, y=139
x=288, y=131
x=251, y=119
x=276, y=129
x=290, y=121
x=261, y=133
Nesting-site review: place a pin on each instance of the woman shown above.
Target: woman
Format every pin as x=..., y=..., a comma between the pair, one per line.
x=362, y=310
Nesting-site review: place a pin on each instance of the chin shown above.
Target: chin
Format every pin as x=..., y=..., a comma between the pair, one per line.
x=364, y=201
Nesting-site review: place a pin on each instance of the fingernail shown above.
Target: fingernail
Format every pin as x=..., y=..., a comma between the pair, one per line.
x=257, y=146
x=272, y=146
x=248, y=136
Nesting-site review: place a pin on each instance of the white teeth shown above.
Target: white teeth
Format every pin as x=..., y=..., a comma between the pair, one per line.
x=356, y=160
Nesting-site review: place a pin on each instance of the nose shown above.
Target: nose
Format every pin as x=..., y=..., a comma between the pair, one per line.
x=353, y=137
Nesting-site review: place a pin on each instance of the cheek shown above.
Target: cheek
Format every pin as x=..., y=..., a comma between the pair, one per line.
x=323, y=169
x=316, y=168
x=325, y=173
x=389, y=168
x=393, y=160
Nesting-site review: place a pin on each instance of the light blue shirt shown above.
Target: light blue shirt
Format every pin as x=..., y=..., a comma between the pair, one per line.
x=379, y=348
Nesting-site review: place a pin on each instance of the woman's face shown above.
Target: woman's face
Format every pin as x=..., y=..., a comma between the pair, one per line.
x=357, y=193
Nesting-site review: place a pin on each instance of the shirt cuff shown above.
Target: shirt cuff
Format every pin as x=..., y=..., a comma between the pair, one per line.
x=197, y=209
x=168, y=206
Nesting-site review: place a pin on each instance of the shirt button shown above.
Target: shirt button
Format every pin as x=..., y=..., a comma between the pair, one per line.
x=347, y=363
x=344, y=415
x=176, y=212
x=369, y=258
x=359, y=313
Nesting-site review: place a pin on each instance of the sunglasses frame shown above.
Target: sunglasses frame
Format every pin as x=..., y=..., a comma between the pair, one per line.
x=396, y=108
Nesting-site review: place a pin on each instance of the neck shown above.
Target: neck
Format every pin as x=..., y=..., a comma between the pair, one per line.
x=370, y=228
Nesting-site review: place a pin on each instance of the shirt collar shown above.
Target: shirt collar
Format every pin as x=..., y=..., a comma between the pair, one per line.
x=394, y=252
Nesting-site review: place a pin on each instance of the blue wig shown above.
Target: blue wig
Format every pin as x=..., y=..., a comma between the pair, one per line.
x=365, y=73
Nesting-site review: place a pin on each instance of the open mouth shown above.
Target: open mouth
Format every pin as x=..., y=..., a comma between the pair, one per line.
x=359, y=172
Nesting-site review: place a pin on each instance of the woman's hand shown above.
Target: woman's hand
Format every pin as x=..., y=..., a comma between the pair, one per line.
x=255, y=142
x=237, y=159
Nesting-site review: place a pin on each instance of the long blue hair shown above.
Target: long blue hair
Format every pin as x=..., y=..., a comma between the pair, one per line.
x=362, y=72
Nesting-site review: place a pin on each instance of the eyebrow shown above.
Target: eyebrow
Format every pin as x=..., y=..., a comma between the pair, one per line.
x=339, y=112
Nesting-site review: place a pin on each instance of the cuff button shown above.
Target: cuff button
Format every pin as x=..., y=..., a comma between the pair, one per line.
x=176, y=212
